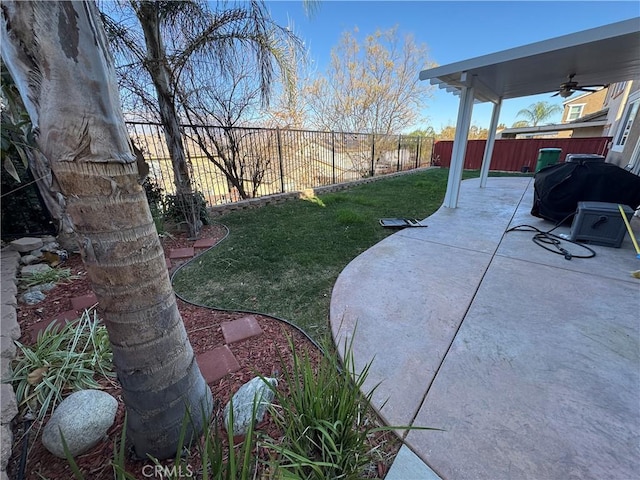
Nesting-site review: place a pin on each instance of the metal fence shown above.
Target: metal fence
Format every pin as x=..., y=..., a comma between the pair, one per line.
x=268, y=161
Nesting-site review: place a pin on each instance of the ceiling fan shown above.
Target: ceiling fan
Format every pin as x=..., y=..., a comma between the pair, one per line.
x=568, y=88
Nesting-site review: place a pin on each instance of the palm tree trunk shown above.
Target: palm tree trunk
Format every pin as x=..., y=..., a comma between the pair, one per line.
x=57, y=55
x=148, y=14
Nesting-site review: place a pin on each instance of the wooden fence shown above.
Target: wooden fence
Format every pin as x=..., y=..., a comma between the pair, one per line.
x=512, y=155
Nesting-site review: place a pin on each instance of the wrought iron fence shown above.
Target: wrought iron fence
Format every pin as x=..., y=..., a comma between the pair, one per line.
x=230, y=164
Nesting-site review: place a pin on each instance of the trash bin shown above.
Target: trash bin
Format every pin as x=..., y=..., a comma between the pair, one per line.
x=546, y=157
x=583, y=157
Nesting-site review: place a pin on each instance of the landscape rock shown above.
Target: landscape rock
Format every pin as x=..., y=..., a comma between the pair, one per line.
x=9, y=407
x=26, y=244
x=7, y=347
x=8, y=288
x=51, y=246
x=5, y=369
x=254, y=391
x=84, y=418
x=10, y=326
x=6, y=443
x=9, y=264
x=43, y=287
x=34, y=269
x=29, y=259
x=33, y=298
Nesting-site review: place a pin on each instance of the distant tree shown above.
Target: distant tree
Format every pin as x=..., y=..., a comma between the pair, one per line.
x=424, y=132
x=475, y=133
x=520, y=124
x=478, y=133
x=538, y=112
x=447, y=133
x=370, y=86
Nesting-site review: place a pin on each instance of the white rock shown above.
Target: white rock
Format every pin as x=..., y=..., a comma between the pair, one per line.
x=84, y=418
x=254, y=391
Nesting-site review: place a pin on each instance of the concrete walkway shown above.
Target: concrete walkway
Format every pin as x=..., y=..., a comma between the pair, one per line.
x=530, y=363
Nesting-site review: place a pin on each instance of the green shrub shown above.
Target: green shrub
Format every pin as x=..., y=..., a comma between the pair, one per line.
x=63, y=360
x=174, y=212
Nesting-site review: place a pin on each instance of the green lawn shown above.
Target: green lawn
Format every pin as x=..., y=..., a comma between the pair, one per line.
x=283, y=260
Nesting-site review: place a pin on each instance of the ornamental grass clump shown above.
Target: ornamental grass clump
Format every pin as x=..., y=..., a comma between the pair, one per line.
x=323, y=417
x=53, y=275
x=63, y=360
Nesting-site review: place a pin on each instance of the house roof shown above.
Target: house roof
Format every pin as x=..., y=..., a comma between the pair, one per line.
x=594, y=116
x=601, y=55
x=552, y=128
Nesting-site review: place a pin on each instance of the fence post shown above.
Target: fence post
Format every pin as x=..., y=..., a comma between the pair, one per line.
x=280, y=159
x=398, y=161
x=373, y=152
x=333, y=157
x=417, y=151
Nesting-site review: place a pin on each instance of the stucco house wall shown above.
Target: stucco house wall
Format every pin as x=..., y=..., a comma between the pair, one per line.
x=617, y=155
x=590, y=102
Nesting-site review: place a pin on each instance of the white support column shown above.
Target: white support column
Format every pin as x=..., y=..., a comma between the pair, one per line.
x=488, y=149
x=459, y=145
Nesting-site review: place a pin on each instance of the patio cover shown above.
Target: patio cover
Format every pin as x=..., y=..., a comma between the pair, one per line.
x=602, y=55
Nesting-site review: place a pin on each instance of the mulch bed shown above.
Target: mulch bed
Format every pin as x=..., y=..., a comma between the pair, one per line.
x=261, y=355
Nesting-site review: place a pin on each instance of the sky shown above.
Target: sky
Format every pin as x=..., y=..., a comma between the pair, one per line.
x=452, y=31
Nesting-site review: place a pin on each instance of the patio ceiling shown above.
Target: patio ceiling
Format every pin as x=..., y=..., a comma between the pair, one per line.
x=602, y=55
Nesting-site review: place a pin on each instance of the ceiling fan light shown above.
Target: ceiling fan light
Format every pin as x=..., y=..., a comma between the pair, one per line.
x=566, y=93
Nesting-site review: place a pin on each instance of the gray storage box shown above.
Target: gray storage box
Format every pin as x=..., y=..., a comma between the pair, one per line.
x=599, y=223
x=583, y=157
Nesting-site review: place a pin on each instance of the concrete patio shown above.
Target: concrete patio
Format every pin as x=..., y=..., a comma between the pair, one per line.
x=530, y=363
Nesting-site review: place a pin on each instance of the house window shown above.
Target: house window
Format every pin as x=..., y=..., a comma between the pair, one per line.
x=575, y=111
x=627, y=121
x=618, y=88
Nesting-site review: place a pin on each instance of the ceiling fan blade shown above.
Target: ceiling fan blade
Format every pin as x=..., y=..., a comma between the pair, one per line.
x=555, y=94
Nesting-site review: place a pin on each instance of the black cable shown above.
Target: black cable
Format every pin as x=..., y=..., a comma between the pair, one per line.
x=27, y=421
x=552, y=242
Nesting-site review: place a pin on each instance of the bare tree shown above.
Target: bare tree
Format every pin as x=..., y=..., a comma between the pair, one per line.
x=58, y=56
x=219, y=114
x=370, y=86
